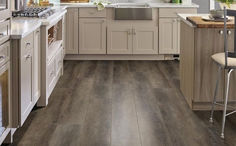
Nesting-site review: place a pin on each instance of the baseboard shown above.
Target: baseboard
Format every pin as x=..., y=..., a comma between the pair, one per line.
x=119, y=57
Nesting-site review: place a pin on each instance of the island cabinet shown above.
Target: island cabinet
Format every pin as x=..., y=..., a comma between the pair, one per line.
x=92, y=31
x=72, y=31
x=169, y=29
x=132, y=39
x=198, y=72
x=25, y=76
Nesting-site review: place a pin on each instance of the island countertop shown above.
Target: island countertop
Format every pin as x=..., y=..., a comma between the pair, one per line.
x=195, y=20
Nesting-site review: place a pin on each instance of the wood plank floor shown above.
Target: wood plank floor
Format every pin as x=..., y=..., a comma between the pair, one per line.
x=121, y=103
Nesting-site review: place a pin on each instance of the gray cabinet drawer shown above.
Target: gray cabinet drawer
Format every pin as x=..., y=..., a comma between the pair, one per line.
x=91, y=12
x=172, y=12
x=4, y=53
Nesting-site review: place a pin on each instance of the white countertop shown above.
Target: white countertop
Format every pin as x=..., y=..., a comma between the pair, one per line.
x=183, y=17
x=151, y=4
x=22, y=26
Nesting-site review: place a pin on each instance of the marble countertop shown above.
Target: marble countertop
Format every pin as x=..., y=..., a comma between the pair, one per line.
x=151, y=4
x=22, y=26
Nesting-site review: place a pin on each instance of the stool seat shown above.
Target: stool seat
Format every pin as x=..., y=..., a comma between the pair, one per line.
x=220, y=59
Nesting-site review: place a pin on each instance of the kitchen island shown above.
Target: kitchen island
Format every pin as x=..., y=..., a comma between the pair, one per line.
x=198, y=72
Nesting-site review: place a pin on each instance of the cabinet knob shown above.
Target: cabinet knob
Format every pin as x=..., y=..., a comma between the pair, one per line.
x=51, y=73
x=229, y=32
x=27, y=57
x=2, y=57
x=221, y=32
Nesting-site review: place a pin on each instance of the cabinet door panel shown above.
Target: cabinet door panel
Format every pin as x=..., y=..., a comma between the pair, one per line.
x=169, y=36
x=92, y=36
x=26, y=101
x=36, y=66
x=119, y=39
x=145, y=40
x=72, y=31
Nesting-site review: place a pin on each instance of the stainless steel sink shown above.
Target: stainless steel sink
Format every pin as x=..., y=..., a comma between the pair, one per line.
x=133, y=11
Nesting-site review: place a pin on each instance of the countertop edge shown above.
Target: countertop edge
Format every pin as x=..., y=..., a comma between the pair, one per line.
x=151, y=5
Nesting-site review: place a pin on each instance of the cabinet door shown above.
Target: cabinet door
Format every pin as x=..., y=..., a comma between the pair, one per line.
x=26, y=100
x=92, y=36
x=145, y=40
x=169, y=36
x=72, y=31
x=119, y=39
x=36, y=66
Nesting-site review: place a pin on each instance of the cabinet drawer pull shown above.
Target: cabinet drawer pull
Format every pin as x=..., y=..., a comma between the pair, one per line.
x=51, y=74
x=1, y=34
x=2, y=57
x=221, y=32
x=229, y=32
x=27, y=57
x=27, y=44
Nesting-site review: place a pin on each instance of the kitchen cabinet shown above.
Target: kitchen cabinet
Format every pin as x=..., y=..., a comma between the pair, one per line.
x=26, y=76
x=169, y=29
x=169, y=35
x=92, y=36
x=36, y=66
x=145, y=40
x=198, y=72
x=119, y=39
x=51, y=58
x=131, y=39
x=26, y=64
x=72, y=31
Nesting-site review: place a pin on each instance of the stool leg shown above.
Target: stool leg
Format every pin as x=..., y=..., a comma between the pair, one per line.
x=225, y=102
x=215, y=93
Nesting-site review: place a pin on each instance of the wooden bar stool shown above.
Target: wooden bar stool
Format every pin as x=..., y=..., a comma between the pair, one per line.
x=226, y=61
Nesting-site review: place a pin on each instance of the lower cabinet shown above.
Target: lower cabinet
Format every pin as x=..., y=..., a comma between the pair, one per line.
x=119, y=39
x=145, y=40
x=169, y=36
x=92, y=36
x=128, y=39
x=25, y=88
x=72, y=31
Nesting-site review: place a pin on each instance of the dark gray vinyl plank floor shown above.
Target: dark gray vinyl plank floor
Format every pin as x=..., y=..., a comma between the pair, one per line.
x=121, y=103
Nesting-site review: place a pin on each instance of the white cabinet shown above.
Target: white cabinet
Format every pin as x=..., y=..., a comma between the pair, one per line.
x=36, y=66
x=72, y=31
x=119, y=39
x=169, y=35
x=92, y=36
x=131, y=39
x=26, y=75
x=145, y=40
